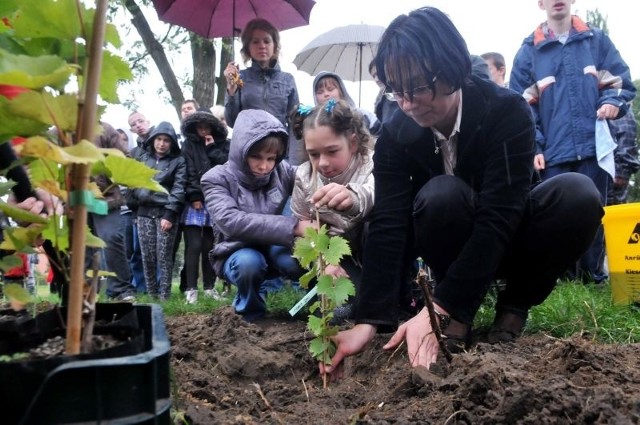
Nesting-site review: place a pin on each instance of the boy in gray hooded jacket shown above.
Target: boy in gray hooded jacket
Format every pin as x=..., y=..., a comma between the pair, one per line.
x=245, y=198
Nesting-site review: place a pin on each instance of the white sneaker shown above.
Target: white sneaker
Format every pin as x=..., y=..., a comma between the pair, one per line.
x=212, y=293
x=192, y=296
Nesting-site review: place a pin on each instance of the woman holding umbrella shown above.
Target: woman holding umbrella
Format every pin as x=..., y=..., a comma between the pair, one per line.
x=262, y=85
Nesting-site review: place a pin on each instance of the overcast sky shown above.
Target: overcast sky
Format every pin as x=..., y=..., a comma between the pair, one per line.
x=486, y=25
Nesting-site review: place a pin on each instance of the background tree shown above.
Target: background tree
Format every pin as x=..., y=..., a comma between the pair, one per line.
x=201, y=75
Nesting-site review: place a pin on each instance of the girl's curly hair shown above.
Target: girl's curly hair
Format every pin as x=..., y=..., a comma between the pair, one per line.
x=341, y=118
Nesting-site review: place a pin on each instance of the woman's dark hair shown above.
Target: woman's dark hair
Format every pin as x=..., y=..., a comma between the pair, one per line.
x=340, y=117
x=247, y=35
x=425, y=39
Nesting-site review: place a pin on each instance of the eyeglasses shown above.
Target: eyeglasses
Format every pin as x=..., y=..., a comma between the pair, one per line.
x=401, y=96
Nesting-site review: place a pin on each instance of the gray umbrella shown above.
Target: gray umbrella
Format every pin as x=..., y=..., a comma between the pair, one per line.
x=347, y=51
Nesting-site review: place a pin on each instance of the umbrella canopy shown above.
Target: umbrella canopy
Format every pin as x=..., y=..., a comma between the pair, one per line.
x=347, y=51
x=227, y=18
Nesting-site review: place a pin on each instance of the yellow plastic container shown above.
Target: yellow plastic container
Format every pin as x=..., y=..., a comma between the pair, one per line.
x=622, y=238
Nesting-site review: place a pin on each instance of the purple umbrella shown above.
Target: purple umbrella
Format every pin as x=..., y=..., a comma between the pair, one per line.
x=226, y=18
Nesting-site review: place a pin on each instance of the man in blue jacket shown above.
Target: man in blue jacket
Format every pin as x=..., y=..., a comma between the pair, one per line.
x=571, y=74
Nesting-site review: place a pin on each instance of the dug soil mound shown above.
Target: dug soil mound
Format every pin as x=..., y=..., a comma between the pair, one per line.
x=228, y=371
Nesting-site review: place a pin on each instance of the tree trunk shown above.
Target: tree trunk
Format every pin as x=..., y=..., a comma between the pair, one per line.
x=226, y=56
x=203, y=55
x=157, y=53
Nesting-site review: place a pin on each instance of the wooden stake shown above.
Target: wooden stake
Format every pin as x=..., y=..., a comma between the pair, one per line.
x=87, y=109
x=428, y=301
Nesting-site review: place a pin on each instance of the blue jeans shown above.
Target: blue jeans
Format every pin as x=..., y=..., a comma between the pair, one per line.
x=247, y=269
x=109, y=229
x=135, y=262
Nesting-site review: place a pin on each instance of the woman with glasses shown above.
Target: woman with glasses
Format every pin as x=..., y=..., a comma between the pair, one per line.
x=453, y=186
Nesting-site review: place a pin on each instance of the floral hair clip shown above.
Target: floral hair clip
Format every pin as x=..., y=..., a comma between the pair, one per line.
x=331, y=103
x=304, y=110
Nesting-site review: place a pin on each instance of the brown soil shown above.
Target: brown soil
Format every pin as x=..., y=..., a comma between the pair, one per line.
x=228, y=371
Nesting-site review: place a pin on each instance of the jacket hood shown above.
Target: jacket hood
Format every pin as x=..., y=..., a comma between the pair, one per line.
x=253, y=125
x=343, y=89
x=163, y=128
x=189, y=125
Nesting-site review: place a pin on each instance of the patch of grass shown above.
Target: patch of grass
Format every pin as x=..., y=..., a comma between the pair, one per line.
x=576, y=309
x=279, y=303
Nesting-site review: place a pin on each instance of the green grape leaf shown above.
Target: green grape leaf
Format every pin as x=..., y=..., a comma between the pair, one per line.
x=17, y=292
x=322, y=349
x=21, y=238
x=83, y=152
x=338, y=248
x=61, y=18
x=20, y=215
x=92, y=240
x=112, y=36
x=315, y=325
x=101, y=273
x=60, y=111
x=114, y=70
x=343, y=289
x=322, y=240
x=314, y=307
x=58, y=233
x=329, y=330
x=44, y=170
x=317, y=347
x=325, y=285
x=33, y=72
x=5, y=187
x=52, y=187
x=14, y=125
x=132, y=173
x=9, y=261
x=307, y=277
x=304, y=248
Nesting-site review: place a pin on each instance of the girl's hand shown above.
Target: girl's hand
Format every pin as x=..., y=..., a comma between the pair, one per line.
x=302, y=225
x=422, y=345
x=165, y=225
x=208, y=140
x=232, y=74
x=334, y=196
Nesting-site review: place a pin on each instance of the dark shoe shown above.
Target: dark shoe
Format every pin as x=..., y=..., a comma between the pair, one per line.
x=125, y=297
x=507, y=327
x=457, y=336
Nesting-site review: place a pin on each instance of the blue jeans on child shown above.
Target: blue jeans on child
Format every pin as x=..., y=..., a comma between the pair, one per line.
x=247, y=270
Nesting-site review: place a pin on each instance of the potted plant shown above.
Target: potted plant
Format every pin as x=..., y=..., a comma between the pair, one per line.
x=54, y=66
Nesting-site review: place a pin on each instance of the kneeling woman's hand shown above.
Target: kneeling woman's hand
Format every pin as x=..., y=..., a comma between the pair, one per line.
x=422, y=344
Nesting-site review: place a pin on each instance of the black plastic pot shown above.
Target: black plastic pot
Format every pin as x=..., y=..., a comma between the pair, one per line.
x=127, y=384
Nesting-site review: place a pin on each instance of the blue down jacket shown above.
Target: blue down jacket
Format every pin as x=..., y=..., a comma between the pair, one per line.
x=565, y=84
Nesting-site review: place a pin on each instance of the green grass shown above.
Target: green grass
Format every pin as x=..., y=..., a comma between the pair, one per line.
x=577, y=309
x=571, y=309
